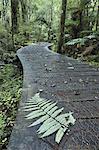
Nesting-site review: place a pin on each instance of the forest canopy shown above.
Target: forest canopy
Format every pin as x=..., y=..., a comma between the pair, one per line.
x=40, y=20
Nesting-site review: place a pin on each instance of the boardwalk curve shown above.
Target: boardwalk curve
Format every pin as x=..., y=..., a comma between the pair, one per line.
x=73, y=84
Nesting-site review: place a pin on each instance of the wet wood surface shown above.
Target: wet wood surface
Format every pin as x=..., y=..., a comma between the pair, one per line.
x=73, y=84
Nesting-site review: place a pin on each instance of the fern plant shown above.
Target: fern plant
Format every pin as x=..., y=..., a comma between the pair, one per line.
x=50, y=117
x=80, y=41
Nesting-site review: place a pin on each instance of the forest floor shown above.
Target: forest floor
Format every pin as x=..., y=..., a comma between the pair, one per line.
x=10, y=90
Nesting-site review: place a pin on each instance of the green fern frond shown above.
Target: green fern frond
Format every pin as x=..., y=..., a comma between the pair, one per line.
x=50, y=117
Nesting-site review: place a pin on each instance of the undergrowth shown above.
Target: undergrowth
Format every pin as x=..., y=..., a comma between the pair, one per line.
x=10, y=91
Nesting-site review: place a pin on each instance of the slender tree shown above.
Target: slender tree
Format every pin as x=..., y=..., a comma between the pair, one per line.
x=62, y=26
x=51, y=21
x=14, y=15
x=14, y=18
x=97, y=19
x=24, y=10
x=4, y=10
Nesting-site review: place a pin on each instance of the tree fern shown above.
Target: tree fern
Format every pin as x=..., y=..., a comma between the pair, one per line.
x=50, y=117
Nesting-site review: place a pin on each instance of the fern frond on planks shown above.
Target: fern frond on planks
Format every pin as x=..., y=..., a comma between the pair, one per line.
x=49, y=116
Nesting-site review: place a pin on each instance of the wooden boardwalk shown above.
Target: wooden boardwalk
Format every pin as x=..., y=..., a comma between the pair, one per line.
x=73, y=84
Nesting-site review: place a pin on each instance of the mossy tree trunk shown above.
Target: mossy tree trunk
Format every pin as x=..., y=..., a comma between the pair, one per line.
x=62, y=26
x=14, y=15
x=14, y=18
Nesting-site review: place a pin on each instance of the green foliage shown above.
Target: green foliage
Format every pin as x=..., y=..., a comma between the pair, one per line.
x=2, y=125
x=83, y=3
x=80, y=41
x=90, y=37
x=10, y=89
x=3, y=31
x=50, y=117
x=6, y=48
x=85, y=33
x=93, y=60
x=70, y=22
x=10, y=92
x=96, y=33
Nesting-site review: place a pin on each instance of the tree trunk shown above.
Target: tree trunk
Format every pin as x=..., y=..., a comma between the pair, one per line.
x=24, y=10
x=88, y=22
x=4, y=10
x=14, y=15
x=50, y=23
x=97, y=19
x=81, y=20
x=14, y=18
x=62, y=26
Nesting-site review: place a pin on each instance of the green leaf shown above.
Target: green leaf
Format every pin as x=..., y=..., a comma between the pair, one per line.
x=71, y=119
x=31, y=109
x=36, y=115
x=61, y=118
x=51, y=130
x=45, y=123
x=47, y=126
x=50, y=119
x=47, y=105
x=33, y=113
x=50, y=107
x=57, y=112
x=30, y=106
x=60, y=134
x=50, y=112
x=42, y=119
